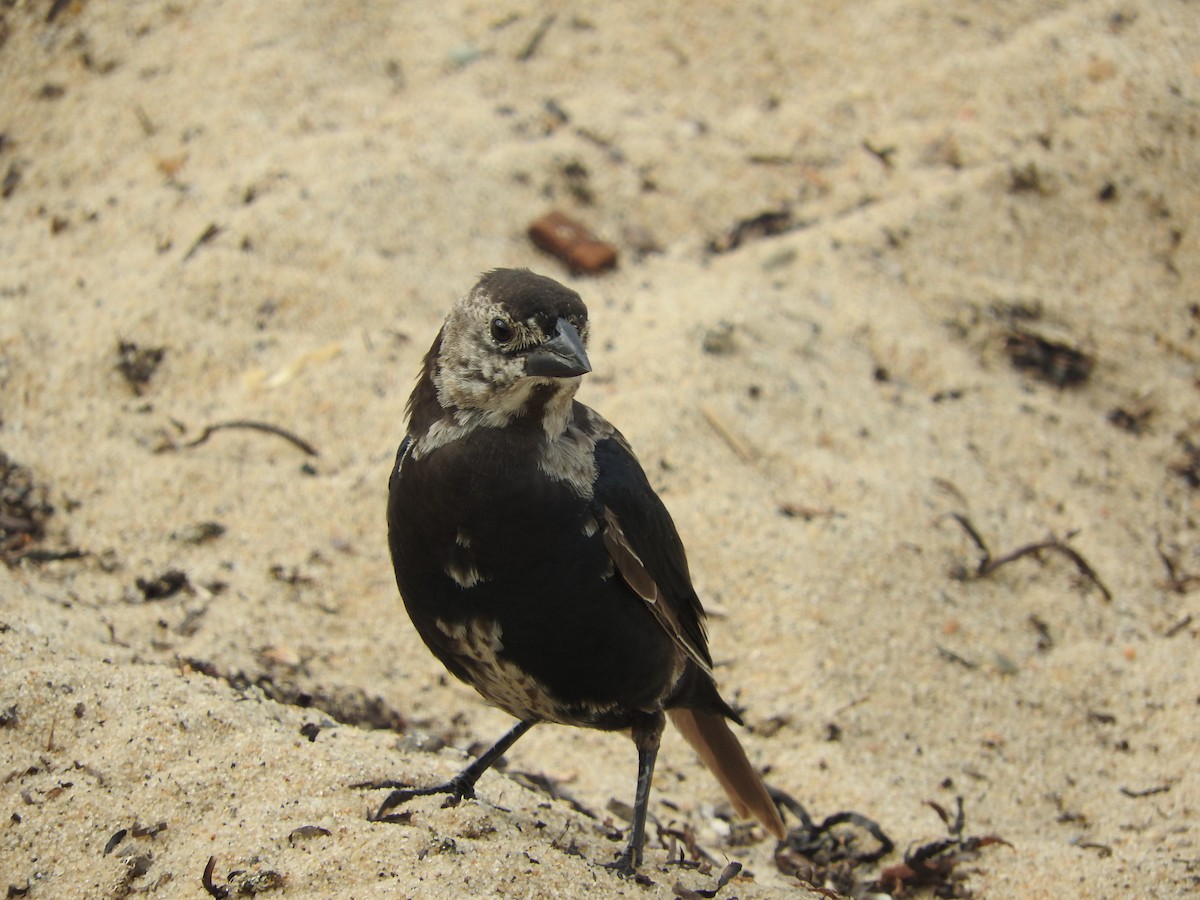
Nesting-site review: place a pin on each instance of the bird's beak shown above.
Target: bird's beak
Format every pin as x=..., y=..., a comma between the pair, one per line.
x=563, y=356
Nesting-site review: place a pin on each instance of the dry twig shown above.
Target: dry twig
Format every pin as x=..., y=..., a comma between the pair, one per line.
x=989, y=564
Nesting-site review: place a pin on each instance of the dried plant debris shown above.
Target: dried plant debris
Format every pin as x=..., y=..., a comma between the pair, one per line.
x=683, y=847
x=1052, y=361
x=1187, y=466
x=307, y=832
x=163, y=586
x=1011, y=312
x=1135, y=418
x=24, y=510
x=138, y=831
x=836, y=856
x=198, y=532
x=883, y=153
x=206, y=236
x=935, y=864
x=829, y=854
x=577, y=179
x=213, y=889
x=988, y=564
x=719, y=340
x=727, y=875
x=1178, y=581
x=535, y=40
x=346, y=705
x=552, y=788
x=765, y=224
x=138, y=364
x=12, y=178
x=114, y=841
x=247, y=424
x=1027, y=179
x=24, y=507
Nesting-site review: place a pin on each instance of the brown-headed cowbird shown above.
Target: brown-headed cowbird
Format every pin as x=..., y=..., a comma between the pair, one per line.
x=534, y=557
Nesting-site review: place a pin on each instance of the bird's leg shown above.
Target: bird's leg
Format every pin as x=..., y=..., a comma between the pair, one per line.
x=647, y=734
x=459, y=787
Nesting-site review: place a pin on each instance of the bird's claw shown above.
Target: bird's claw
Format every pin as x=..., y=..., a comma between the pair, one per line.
x=456, y=790
x=624, y=865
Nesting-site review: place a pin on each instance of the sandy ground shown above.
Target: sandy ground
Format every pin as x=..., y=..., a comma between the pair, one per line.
x=286, y=197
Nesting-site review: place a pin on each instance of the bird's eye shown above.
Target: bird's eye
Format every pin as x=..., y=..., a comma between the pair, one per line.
x=502, y=331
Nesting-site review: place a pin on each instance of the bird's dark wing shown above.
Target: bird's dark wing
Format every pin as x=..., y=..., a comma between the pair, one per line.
x=646, y=550
x=645, y=547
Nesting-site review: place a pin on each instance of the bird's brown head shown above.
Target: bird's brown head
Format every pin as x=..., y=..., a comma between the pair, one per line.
x=514, y=336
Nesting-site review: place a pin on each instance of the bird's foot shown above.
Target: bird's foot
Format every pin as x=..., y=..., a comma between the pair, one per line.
x=626, y=864
x=456, y=789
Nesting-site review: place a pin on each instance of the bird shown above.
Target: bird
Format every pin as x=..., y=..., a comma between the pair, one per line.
x=534, y=557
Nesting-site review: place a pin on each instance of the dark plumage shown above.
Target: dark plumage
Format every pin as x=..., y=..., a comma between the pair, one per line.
x=533, y=556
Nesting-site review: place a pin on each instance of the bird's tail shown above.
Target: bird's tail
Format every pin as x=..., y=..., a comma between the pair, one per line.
x=719, y=749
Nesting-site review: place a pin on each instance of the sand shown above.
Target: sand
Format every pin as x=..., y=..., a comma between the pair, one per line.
x=204, y=649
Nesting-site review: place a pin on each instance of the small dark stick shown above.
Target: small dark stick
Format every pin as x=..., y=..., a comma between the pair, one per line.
x=989, y=564
x=266, y=427
x=535, y=39
x=205, y=236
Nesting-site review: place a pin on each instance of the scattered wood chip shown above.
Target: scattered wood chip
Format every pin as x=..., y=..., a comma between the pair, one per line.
x=571, y=241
